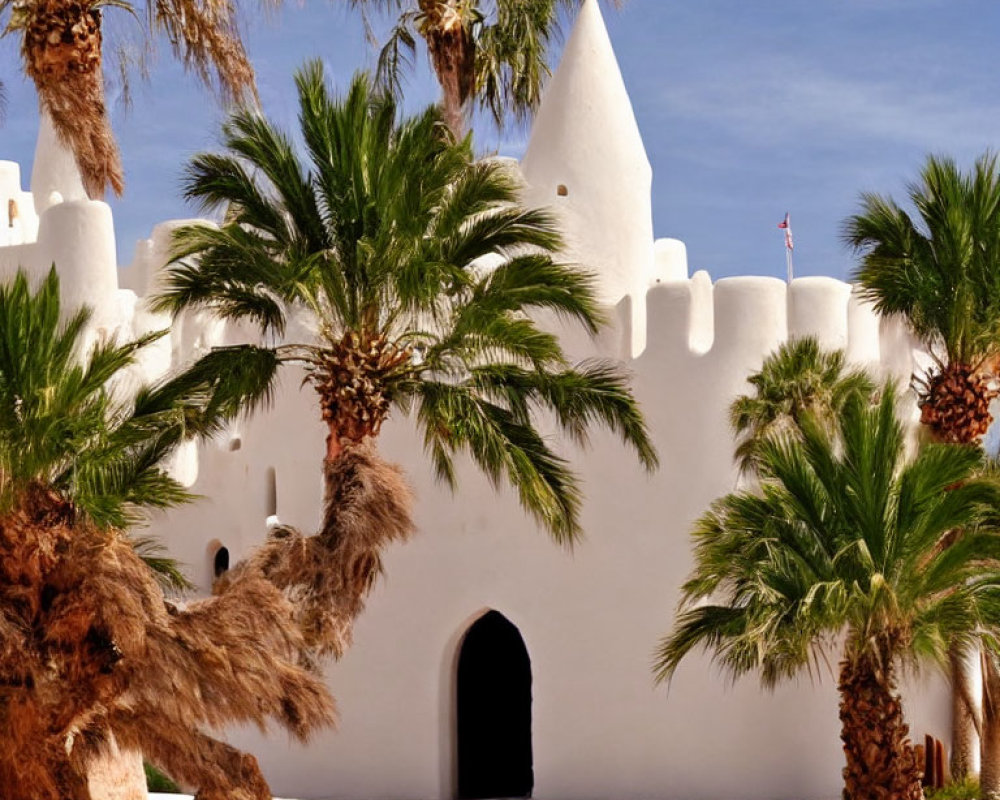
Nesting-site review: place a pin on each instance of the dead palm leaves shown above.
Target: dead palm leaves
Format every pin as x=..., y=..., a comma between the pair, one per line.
x=91, y=653
x=62, y=47
x=89, y=650
x=327, y=577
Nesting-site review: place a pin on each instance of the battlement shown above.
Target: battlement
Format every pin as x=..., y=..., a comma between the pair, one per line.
x=751, y=315
x=673, y=317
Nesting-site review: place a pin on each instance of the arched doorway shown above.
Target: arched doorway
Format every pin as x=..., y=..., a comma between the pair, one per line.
x=494, y=712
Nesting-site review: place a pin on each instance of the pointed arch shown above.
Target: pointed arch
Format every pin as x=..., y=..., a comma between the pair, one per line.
x=493, y=701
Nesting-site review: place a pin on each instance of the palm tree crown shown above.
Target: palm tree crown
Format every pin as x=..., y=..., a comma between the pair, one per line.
x=419, y=267
x=938, y=271
x=798, y=378
x=62, y=48
x=845, y=536
x=493, y=51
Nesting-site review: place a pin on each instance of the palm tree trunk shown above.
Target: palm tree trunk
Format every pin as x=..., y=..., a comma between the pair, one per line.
x=963, y=734
x=956, y=404
x=989, y=769
x=453, y=56
x=327, y=577
x=881, y=761
x=62, y=53
x=333, y=446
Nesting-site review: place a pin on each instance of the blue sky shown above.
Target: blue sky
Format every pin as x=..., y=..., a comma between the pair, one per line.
x=748, y=110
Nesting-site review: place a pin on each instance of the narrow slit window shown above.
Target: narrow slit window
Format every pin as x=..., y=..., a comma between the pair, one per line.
x=271, y=493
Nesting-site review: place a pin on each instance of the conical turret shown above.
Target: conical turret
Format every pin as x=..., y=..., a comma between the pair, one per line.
x=586, y=159
x=54, y=175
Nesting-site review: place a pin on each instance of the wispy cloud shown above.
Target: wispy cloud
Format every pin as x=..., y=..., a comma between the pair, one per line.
x=781, y=99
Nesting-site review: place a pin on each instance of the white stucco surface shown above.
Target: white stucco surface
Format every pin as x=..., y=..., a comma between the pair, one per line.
x=590, y=618
x=585, y=161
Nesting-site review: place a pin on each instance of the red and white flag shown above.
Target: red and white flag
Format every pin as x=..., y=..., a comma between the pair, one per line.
x=786, y=225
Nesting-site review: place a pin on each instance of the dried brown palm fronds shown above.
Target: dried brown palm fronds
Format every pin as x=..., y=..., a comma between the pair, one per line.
x=205, y=37
x=62, y=55
x=327, y=577
x=62, y=50
x=91, y=653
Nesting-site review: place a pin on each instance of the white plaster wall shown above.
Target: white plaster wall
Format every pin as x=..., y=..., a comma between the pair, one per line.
x=18, y=221
x=590, y=618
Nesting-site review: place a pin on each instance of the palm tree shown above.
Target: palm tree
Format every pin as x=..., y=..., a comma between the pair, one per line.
x=938, y=271
x=419, y=268
x=844, y=538
x=493, y=52
x=799, y=378
x=62, y=48
x=91, y=654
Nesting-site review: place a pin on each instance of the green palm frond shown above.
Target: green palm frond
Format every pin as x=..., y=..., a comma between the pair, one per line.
x=68, y=423
x=505, y=448
x=799, y=378
x=396, y=55
x=167, y=570
x=936, y=269
x=843, y=534
x=388, y=230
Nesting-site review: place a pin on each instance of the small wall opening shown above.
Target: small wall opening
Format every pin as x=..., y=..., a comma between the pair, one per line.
x=220, y=562
x=561, y=190
x=494, y=712
x=271, y=493
x=235, y=444
x=216, y=561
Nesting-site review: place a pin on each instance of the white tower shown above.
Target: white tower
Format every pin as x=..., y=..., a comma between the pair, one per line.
x=74, y=233
x=586, y=159
x=54, y=175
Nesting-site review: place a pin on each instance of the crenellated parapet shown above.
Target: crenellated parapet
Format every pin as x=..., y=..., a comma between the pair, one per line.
x=747, y=317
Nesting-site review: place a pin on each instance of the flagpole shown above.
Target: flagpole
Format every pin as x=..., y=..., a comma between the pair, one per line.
x=786, y=226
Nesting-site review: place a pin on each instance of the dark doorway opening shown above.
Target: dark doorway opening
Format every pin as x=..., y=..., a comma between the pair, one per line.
x=494, y=712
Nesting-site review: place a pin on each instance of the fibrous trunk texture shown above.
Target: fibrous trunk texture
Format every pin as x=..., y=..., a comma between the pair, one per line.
x=351, y=376
x=963, y=733
x=956, y=404
x=327, y=577
x=453, y=56
x=91, y=655
x=989, y=768
x=882, y=763
x=62, y=54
